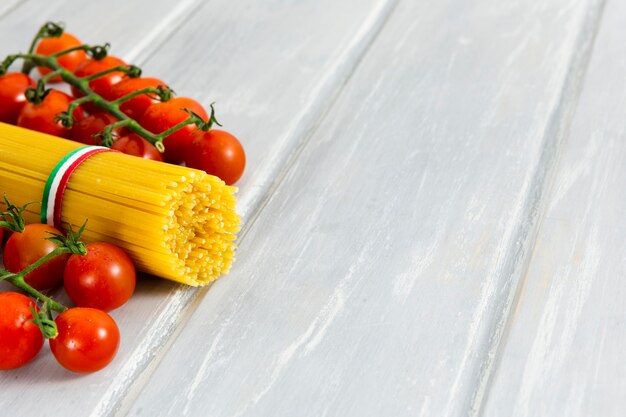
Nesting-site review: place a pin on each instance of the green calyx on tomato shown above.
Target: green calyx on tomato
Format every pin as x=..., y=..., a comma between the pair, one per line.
x=143, y=109
x=103, y=278
x=12, y=218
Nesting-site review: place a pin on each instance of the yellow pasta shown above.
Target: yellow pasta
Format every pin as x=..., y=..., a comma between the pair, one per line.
x=175, y=222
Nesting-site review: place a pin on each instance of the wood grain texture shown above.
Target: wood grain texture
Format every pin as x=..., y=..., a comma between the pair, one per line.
x=8, y=6
x=377, y=277
x=239, y=57
x=25, y=390
x=565, y=352
x=115, y=21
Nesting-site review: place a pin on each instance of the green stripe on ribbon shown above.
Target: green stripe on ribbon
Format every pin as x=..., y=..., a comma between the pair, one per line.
x=54, y=174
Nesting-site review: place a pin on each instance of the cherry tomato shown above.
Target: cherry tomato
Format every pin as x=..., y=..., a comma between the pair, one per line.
x=218, y=153
x=101, y=85
x=136, y=145
x=49, y=46
x=83, y=130
x=12, y=99
x=136, y=106
x=41, y=117
x=87, y=341
x=23, y=249
x=161, y=116
x=20, y=339
x=104, y=278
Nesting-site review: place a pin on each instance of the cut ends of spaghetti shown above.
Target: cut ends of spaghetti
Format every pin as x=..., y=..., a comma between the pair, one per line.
x=201, y=230
x=174, y=222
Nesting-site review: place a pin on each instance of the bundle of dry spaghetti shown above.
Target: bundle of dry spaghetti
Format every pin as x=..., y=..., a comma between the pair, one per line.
x=175, y=222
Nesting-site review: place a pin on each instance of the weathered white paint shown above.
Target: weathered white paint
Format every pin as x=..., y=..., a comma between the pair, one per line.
x=377, y=277
x=26, y=390
x=385, y=238
x=239, y=56
x=130, y=27
x=565, y=349
x=7, y=6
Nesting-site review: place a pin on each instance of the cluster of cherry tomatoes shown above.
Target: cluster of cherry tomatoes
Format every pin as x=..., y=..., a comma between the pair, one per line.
x=215, y=151
x=101, y=280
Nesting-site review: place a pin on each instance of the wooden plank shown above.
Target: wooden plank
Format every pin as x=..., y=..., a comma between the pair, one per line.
x=565, y=349
x=376, y=279
x=131, y=27
x=230, y=57
x=8, y=6
x=43, y=388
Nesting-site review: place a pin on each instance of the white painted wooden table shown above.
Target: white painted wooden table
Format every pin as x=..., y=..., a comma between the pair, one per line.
x=433, y=211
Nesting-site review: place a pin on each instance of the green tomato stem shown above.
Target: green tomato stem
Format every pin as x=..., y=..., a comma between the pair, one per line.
x=18, y=281
x=46, y=78
x=111, y=107
x=42, y=260
x=70, y=50
x=48, y=30
x=70, y=110
x=82, y=84
x=190, y=120
x=148, y=91
x=45, y=322
x=106, y=136
x=120, y=68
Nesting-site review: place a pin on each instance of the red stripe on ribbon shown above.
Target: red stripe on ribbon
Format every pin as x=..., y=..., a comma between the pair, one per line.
x=58, y=198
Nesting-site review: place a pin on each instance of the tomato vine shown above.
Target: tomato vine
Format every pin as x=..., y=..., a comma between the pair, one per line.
x=82, y=339
x=97, y=52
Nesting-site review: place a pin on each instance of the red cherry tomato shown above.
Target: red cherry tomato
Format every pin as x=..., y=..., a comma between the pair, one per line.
x=23, y=249
x=136, y=145
x=218, y=153
x=41, y=117
x=49, y=46
x=12, y=99
x=20, y=339
x=104, y=278
x=101, y=85
x=136, y=106
x=87, y=341
x=83, y=130
x=161, y=116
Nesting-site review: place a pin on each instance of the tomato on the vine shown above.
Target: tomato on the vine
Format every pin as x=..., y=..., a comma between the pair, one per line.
x=20, y=339
x=161, y=116
x=135, y=145
x=24, y=248
x=84, y=129
x=52, y=45
x=41, y=117
x=101, y=85
x=88, y=339
x=12, y=98
x=104, y=278
x=218, y=153
x=136, y=106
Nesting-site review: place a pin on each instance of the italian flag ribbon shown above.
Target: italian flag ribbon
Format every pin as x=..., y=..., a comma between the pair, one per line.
x=57, y=183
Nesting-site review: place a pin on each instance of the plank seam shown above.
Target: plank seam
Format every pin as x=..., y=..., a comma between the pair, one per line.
x=11, y=8
x=554, y=138
x=164, y=30
x=317, y=124
x=119, y=403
